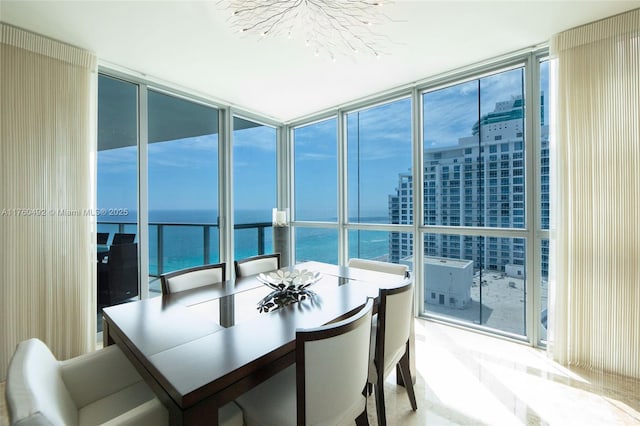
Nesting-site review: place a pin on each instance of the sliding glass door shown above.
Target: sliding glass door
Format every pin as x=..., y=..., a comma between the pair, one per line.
x=117, y=193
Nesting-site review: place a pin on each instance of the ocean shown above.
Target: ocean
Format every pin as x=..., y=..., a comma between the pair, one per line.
x=183, y=238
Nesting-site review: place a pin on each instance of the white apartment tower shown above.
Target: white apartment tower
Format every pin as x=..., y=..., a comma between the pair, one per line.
x=479, y=182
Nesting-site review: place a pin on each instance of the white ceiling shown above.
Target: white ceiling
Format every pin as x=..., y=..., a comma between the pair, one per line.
x=189, y=43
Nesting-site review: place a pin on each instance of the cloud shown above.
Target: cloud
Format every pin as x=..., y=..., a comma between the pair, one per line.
x=314, y=156
x=193, y=152
x=500, y=87
x=451, y=112
x=262, y=138
x=381, y=132
x=121, y=160
x=316, y=142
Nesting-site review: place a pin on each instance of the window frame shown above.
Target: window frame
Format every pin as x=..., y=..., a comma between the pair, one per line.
x=529, y=60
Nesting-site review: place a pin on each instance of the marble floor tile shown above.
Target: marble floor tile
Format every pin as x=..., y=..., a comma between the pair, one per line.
x=467, y=378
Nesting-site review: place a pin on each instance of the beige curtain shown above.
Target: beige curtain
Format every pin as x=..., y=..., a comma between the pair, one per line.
x=47, y=151
x=595, y=280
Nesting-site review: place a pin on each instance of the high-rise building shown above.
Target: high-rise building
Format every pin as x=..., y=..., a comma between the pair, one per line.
x=478, y=182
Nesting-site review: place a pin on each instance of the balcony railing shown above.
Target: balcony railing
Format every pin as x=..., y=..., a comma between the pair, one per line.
x=252, y=245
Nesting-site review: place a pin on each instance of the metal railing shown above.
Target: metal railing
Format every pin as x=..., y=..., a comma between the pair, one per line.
x=206, y=240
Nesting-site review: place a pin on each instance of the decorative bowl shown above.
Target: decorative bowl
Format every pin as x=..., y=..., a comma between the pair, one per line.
x=288, y=287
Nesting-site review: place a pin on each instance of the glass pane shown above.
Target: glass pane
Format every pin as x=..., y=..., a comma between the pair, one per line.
x=378, y=152
x=544, y=289
x=394, y=247
x=254, y=186
x=319, y=244
x=474, y=158
x=117, y=191
x=253, y=238
x=501, y=132
x=183, y=185
x=544, y=145
x=475, y=279
x=186, y=248
x=452, y=173
x=315, y=168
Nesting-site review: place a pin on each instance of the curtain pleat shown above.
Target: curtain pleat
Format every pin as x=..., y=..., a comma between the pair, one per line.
x=47, y=149
x=596, y=231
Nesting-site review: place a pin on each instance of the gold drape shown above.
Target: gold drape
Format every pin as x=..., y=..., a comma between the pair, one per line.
x=47, y=152
x=595, y=280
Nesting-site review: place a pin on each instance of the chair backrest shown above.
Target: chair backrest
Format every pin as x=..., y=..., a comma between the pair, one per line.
x=331, y=370
x=395, y=314
x=123, y=238
x=256, y=264
x=102, y=237
x=376, y=265
x=35, y=391
x=198, y=276
x=122, y=270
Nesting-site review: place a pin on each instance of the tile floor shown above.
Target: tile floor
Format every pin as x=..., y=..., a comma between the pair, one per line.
x=465, y=378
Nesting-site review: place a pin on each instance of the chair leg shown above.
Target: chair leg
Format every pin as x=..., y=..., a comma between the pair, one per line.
x=406, y=378
x=380, y=408
x=363, y=418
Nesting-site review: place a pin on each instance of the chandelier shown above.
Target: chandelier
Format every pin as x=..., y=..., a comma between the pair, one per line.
x=327, y=27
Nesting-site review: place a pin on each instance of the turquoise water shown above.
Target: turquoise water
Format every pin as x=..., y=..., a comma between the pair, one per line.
x=183, y=245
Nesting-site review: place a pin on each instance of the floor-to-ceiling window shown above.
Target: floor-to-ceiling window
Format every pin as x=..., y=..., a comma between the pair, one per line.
x=438, y=177
x=164, y=170
x=182, y=165
x=254, y=187
x=474, y=178
x=315, y=197
x=543, y=198
x=379, y=159
x=117, y=194
x=473, y=204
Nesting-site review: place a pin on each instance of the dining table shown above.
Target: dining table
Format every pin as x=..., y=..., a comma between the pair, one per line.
x=201, y=348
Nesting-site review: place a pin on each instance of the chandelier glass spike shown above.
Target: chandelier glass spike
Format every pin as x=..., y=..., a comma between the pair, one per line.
x=328, y=27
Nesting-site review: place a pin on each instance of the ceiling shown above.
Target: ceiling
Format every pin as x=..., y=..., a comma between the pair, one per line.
x=190, y=44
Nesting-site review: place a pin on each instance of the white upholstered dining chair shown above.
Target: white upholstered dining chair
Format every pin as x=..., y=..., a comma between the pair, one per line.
x=390, y=343
x=256, y=264
x=376, y=265
x=327, y=384
x=96, y=388
x=198, y=276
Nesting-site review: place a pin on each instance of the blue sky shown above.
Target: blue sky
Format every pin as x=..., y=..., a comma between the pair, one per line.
x=183, y=173
x=315, y=167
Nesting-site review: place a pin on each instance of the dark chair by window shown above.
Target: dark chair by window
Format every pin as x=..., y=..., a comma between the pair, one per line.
x=123, y=238
x=119, y=280
x=256, y=264
x=103, y=237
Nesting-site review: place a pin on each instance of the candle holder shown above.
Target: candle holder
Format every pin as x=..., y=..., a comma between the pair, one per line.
x=281, y=235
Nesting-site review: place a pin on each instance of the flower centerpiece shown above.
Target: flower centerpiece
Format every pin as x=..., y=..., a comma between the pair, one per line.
x=288, y=287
